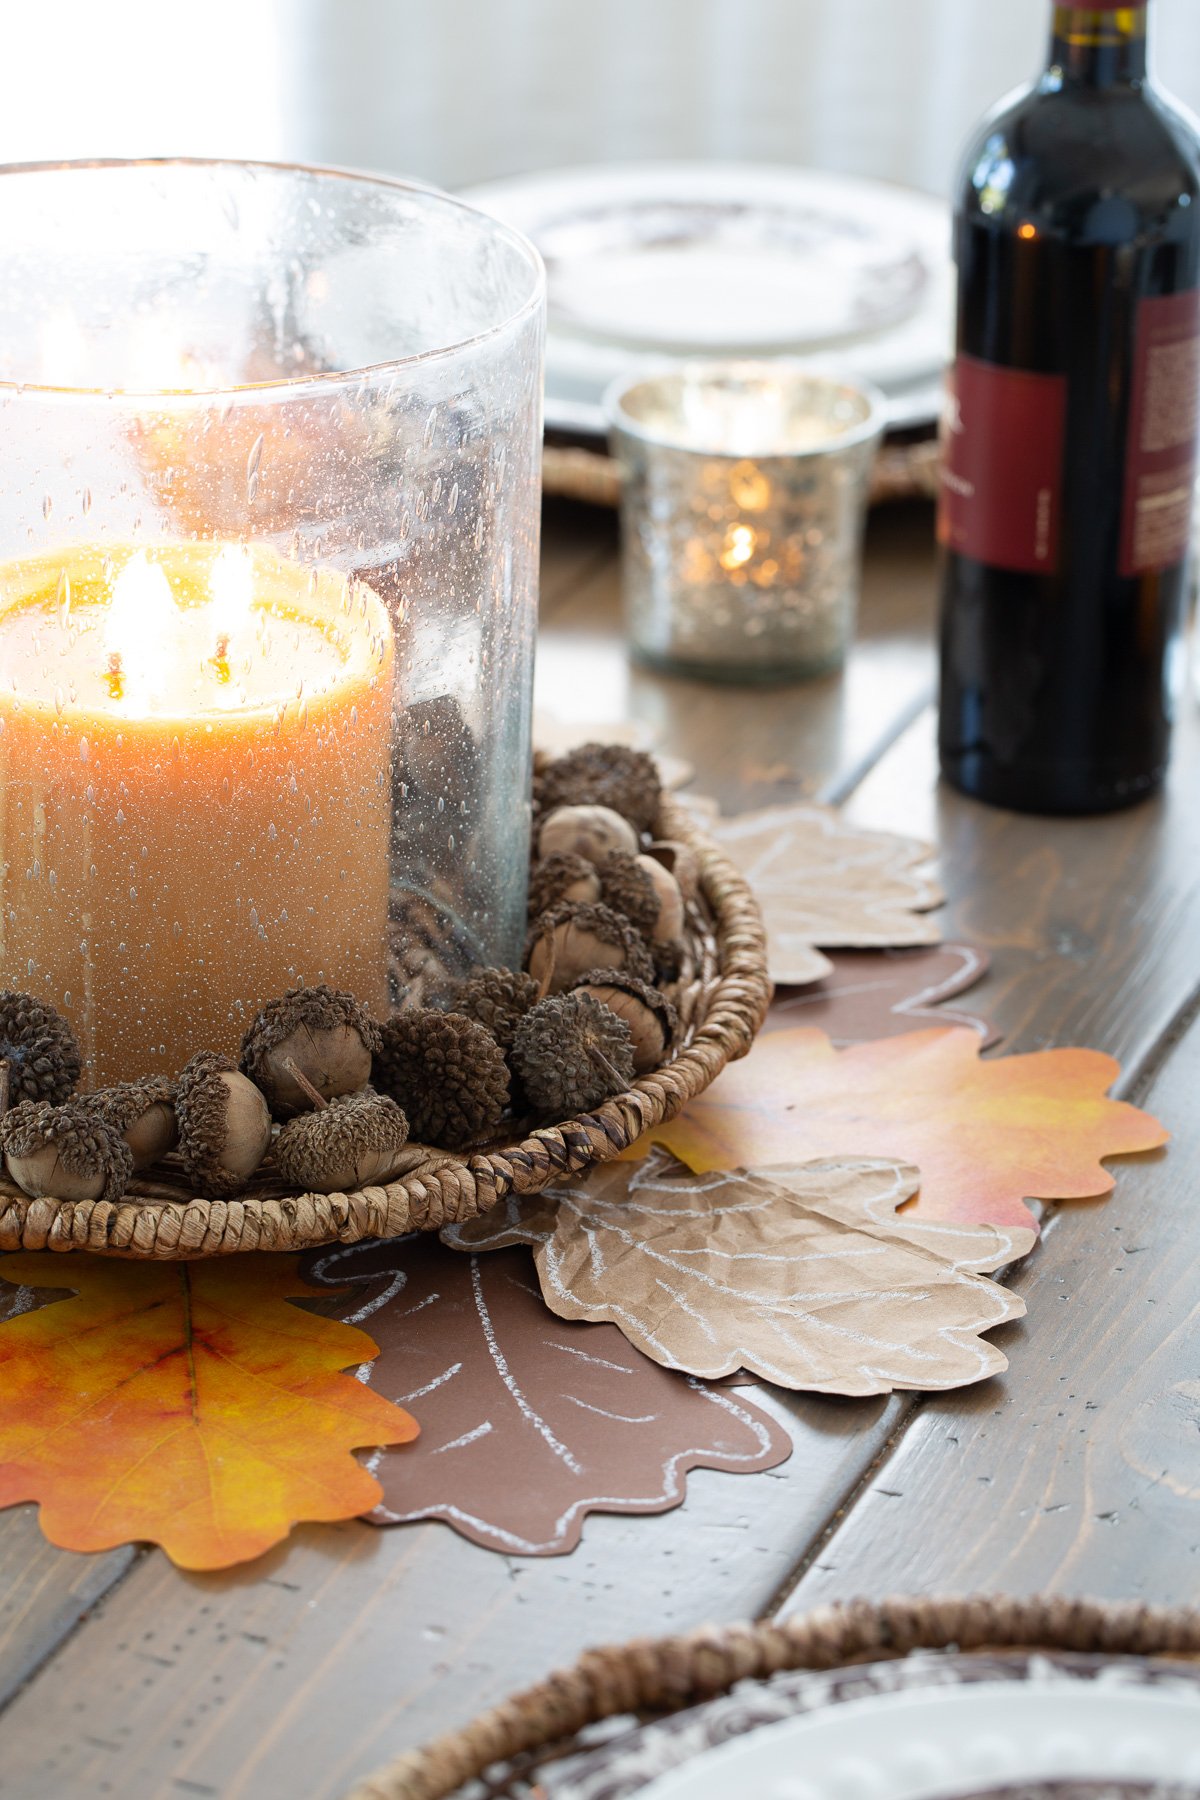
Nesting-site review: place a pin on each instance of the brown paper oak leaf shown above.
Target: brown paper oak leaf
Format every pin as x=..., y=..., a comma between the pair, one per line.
x=825, y=884
x=882, y=993
x=809, y=1280
x=528, y=1423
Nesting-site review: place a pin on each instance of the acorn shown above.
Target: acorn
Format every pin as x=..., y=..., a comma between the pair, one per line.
x=627, y=888
x=569, y=940
x=563, y=876
x=68, y=1152
x=144, y=1114
x=603, y=775
x=496, y=999
x=352, y=1141
x=224, y=1125
x=648, y=1014
x=586, y=831
x=447, y=1073
x=329, y=1036
x=39, y=1057
x=681, y=861
x=570, y=1053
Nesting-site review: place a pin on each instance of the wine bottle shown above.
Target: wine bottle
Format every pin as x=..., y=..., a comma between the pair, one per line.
x=1070, y=433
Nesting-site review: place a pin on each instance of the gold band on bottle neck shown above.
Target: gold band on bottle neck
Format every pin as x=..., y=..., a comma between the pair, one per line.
x=1089, y=25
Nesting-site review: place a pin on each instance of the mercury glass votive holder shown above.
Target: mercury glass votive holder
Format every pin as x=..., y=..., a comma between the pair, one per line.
x=270, y=440
x=743, y=503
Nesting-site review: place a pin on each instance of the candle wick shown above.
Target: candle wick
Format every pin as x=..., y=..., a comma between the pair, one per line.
x=301, y=1079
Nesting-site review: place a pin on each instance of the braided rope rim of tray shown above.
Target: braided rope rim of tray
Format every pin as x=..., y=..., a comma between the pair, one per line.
x=723, y=1008
x=661, y=1675
x=907, y=471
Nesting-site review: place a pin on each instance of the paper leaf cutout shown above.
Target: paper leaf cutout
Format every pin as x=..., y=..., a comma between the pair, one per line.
x=825, y=884
x=986, y=1135
x=184, y=1404
x=810, y=1281
x=881, y=993
x=529, y=1423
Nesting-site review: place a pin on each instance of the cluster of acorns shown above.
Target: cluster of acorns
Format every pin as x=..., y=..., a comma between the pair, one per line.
x=333, y=1097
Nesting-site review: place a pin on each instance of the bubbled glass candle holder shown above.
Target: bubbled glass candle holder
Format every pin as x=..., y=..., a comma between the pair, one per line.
x=268, y=561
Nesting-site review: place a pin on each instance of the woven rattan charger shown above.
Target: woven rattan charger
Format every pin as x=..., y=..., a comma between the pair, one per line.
x=654, y=1676
x=722, y=999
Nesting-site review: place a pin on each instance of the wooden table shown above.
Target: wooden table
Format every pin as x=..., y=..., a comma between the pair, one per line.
x=1079, y=1472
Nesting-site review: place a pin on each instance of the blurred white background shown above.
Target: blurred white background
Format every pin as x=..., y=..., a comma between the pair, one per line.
x=457, y=91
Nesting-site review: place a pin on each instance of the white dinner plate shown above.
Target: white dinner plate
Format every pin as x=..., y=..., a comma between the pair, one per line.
x=944, y=1728
x=647, y=262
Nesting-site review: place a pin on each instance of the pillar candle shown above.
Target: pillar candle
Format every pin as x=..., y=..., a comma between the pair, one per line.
x=195, y=794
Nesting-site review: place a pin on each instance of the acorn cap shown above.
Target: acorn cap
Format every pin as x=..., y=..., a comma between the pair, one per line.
x=39, y=1048
x=649, y=1015
x=446, y=1071
x=144, y=1114
x=570, y=1053
x=224, y=1125
x=357, y=1141
x=586, y=831
x=570, y=939
x=496, y=999
x=603, y=775
x=68, y=1152
x=629, y=889
x=563, y=876
x=330, y=1036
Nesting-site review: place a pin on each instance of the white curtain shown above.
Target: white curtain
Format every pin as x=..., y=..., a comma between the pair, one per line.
x=461, y=90
x=457, y=91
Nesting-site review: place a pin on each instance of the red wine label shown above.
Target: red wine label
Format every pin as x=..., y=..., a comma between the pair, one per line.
x=1164, y=419
x=1002, y=466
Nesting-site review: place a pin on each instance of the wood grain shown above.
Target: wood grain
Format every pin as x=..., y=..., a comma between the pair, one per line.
x=1092, y=925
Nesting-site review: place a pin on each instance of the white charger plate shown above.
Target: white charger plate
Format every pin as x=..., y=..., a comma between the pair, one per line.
x=647, y=262
x=929, y=1728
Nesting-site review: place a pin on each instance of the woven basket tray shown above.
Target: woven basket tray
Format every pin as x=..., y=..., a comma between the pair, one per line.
x=656, y=1676
x=722, y=1000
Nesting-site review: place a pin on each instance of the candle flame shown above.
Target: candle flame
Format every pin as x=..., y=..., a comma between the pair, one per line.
x=230, y=605
x=138, y=633
x=740, y=542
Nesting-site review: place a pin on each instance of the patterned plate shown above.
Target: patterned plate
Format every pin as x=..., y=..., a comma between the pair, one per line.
x=648, y=261
x=929, y=1728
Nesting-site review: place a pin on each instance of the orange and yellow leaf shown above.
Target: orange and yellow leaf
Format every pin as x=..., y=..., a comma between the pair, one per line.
x=987, y=1134
x=184, y=1404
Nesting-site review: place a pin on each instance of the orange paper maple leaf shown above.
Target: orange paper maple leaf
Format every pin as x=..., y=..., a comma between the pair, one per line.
x=986, y=1135
x=187, y=1404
